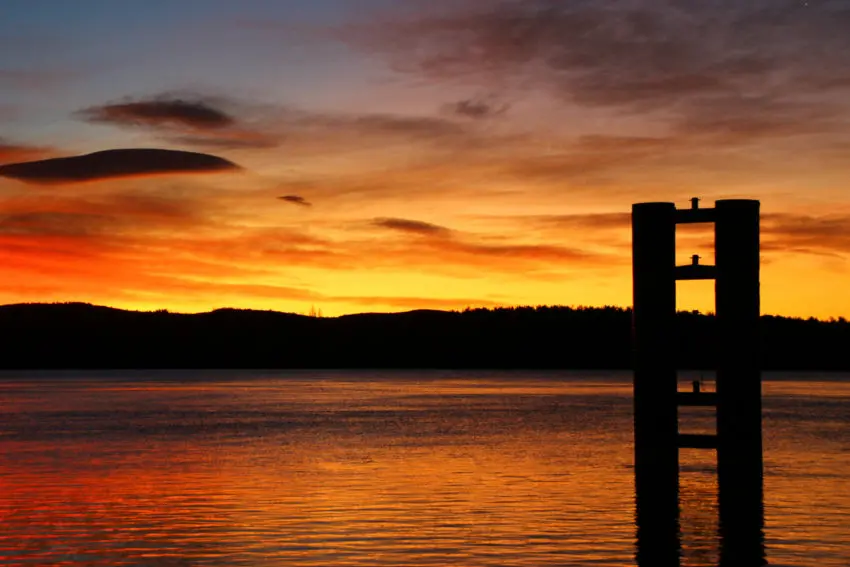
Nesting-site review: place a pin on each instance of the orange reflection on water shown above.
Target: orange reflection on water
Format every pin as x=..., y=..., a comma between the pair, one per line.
x=369, y=469
x=318, y=500
x=401, y=473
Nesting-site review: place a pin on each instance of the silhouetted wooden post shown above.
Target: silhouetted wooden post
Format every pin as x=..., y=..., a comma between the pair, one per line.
x=739, y=446
x=655, y=411
x=738, y=396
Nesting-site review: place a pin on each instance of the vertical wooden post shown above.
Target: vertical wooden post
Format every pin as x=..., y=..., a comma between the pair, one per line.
x=739, y=447
x=655, y=409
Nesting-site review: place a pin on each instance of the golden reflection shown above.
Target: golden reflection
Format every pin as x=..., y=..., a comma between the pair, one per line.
x=698, y=503
x=363, y=469
x=464, y=471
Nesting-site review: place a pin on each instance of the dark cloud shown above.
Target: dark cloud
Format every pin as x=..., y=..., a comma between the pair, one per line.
x=477, y=108
x=198, y=121
x=680, y=59
x=161, y=112
x=411, y=226
x=296, y=200
x=111, y=164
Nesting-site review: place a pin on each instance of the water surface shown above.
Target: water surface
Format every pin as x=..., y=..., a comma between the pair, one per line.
x=382, y=468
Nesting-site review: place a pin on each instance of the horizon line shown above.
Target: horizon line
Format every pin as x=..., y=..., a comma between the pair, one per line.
x=317, y=313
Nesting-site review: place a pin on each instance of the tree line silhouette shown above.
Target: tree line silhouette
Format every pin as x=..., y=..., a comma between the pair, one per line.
x=78, y=335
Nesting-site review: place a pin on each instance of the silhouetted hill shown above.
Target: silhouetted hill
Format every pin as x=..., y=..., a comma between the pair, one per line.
x=76, y=335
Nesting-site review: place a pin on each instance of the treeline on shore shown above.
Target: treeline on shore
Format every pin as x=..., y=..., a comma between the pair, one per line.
x=77, y=335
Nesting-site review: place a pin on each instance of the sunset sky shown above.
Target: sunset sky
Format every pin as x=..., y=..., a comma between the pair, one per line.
x=386, y=155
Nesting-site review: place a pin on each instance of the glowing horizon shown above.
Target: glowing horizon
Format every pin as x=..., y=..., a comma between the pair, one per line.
x=440, y=155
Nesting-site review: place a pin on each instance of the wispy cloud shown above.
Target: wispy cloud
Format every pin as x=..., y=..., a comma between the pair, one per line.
x=10, y=152
x=161, y=112
x=411, y=226
x=192, y=120
x=296, y=200
x=747, y=66
x=783, y=233
x=110, y=214
x=454, y=248
x=512, y=256
x=112, y=164
x=52, y=224
x=223, y=123
x=795, y=233
x=377, y=125
x=580, y=222
x=477, y=108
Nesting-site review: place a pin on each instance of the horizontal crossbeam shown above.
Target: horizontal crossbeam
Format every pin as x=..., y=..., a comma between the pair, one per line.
x=696, y=398
x=692, y=216
x=697, y=441
x=696, y=272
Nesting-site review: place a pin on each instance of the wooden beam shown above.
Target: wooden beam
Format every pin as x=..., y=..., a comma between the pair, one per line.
x=693, y=216
x=695, y=272
x=697, y=441
x=696, y=399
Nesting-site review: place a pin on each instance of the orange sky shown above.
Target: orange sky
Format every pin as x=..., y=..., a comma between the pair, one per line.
x=443, y=155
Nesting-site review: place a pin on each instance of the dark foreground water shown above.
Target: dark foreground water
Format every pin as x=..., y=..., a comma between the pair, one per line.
x=383, y=468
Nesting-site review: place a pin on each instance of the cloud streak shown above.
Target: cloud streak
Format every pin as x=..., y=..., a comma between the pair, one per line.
x=195, y=121
x=578, y=222
x=296, y=200
x=10, y=152
x=478, y=108
x=221, y=123
x=748, y=65
x=439, y=244
x=51, y=224
x=411, y=226
x=111, y=164
x=161, y=113
x=130, y=210
x=823, y=235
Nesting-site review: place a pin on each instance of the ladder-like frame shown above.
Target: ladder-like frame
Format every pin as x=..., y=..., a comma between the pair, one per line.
x=738, y=439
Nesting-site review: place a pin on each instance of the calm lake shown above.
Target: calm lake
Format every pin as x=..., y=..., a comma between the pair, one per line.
x=384, y=468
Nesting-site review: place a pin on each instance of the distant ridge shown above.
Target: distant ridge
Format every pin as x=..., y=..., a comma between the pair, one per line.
x=80, y=335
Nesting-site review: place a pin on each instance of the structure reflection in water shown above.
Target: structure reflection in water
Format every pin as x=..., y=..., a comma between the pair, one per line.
x=737, y=399
x=658, y=537
x=694, y=534
x=742, y=539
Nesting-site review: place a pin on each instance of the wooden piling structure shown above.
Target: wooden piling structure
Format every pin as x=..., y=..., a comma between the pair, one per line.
x=655, y=410
x=739, y=443
x=738, y=396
